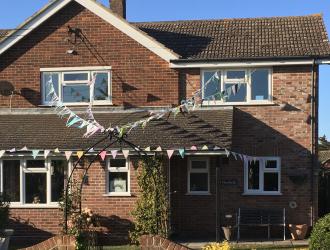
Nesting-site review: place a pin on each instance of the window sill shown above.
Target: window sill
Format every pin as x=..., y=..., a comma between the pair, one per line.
x=199, y=193
x=36, y=206
x=77, y=104
x=117, y=195
x=262, y=193
x=264, y=103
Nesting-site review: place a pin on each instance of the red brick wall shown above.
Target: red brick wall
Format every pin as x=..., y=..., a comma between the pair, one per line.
x=138, y=75
x=261, y=131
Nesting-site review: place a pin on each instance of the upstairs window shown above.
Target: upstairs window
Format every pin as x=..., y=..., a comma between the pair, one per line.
x=78, y=87
x=237, y=86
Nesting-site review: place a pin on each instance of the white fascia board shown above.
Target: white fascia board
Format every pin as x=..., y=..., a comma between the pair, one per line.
x=239, y=64
x=75, y=68
x=32, y=23
x=131, y=31
x=323, y=61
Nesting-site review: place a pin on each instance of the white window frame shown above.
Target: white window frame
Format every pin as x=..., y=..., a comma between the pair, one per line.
x=110, y=170
x=223, y=79
x=24, y=170
x=193, y=170
x=62, y=71
x=262, y=170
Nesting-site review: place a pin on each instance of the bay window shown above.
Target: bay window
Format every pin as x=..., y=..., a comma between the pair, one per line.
x=77, y=86
x=237, y=86
x=33, y=182
x=263, y=176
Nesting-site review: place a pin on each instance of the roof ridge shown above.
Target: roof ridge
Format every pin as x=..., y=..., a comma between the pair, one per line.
x=315, y=15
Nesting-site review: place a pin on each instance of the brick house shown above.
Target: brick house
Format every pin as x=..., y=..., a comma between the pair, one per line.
x=143, y=66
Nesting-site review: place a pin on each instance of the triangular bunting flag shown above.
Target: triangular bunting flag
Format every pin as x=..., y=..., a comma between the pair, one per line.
x=24, y=148
x=147, y=149
x=114, y=153
x=103, y=155
x=56, y=150
x=182, y=152
x=35, y=153
x=170, y=153
x=68, y=155
x=227, y=152
x=91, y=150
x=205, y=147
x=193, y=148
x=2, y=152
x=80, y=154
x=46, y=153
x=125, y=153
x=12, y=150
x=159, y=149
x=216, y=148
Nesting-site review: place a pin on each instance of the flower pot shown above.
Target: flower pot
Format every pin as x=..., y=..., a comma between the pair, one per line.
x=227, y=232
x=298, y=232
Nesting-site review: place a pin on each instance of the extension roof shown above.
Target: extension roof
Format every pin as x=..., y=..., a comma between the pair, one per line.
x=48, y=131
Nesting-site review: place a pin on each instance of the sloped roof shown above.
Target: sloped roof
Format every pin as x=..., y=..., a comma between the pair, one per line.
x=3, y=33
x=324, y=156
x=246, y=38
x=47, y=131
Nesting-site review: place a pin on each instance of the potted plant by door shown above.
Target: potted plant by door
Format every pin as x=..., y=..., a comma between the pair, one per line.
x=228, y=230
x=4, y=218
x=298, y=232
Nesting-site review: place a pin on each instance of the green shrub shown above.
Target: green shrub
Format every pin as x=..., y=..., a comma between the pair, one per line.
x=4, y=211
x=320, y=237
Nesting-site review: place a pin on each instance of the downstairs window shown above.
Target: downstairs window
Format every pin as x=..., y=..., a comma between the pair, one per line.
x=33, y=181
x=263, y=176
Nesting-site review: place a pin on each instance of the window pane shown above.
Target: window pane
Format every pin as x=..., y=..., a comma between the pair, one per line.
x=253, y=175
x=76, y=93
x=35, y=164
x=271, y=164
x=35, y=188
x=118, y=182
x=198, y=164
x=75, y=76
x=46, y=89
x=239, y=96
x=212, y=85
x=237, y=74
x=11, y=180
x=199, y=182
x=271, y=182
x=259, y=85
x=101, y=87
x=117, y=163
x=59, y=172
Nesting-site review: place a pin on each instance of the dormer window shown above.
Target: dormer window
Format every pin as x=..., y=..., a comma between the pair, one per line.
x=76, y=86
x=236, y=86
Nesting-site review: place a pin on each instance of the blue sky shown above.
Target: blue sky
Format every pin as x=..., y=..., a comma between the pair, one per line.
x=13, y=12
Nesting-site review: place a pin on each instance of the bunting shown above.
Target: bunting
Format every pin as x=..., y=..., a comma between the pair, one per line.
x=103, y=155
x=35, y=153
x=114, y=153
x=68, y=155
x=2, y=152
x=170, y=153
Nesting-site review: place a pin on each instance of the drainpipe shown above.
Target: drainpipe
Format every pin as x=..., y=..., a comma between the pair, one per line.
x=313, y=139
